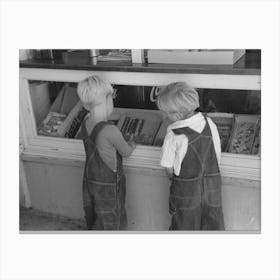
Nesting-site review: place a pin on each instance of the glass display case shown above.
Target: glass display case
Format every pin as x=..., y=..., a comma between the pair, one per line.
x=59, y=113
x=51, y=114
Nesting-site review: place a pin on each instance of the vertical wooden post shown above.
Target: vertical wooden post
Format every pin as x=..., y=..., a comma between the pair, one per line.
x=137, y=55
x=22, y=177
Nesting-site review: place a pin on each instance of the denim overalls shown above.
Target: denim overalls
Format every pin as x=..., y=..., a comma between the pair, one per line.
x=195, y=201
x=103, y=189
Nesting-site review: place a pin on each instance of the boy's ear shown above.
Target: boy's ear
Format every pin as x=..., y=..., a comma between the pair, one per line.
x=87, y=107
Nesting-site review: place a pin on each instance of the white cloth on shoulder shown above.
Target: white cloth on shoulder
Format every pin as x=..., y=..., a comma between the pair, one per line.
x=175, y=147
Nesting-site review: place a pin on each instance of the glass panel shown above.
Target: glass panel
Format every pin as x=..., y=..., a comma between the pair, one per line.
x=230, y=101
x=138, y=97
x=59, y=113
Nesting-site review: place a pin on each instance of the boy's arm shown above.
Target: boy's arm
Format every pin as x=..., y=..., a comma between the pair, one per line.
x=168, y=152
x=116, y=138
x=216, y=139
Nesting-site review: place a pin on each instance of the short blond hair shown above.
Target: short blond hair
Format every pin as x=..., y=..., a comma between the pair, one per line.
x=178, y=98
x=94, y=90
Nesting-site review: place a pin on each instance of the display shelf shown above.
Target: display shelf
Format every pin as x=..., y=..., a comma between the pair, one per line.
x=224, y=123
x=244, y=133
x=148, y=125
x=144, y=157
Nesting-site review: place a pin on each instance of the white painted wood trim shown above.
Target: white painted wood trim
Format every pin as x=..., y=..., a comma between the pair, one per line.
x=22, y=176
x=216, y=81
x=137, y=56
x=24, y=115
x=148, y=157
x=160, y=172
x=24, y=185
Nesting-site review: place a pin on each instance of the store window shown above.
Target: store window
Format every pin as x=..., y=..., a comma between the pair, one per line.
x=59, y=113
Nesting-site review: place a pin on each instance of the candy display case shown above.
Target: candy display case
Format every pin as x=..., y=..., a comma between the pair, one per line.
x=137, y=117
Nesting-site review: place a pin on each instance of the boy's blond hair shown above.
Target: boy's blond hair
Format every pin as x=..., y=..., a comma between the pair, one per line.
x=178, y=99
x=93, y=91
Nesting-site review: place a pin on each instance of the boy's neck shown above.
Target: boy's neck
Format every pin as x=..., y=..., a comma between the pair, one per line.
x=189, y=115
x=96, y=119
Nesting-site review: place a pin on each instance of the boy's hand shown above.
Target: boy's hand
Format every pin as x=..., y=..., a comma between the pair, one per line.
x=132, y=144
x=131, y=141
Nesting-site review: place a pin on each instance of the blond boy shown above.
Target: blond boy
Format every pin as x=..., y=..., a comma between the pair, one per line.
x=191, y=154
x=104, y=186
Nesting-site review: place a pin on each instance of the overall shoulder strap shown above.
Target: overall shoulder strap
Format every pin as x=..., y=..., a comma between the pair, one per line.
x=97, y=129
x=84, y=131
x=206, y=130
x=190, y=133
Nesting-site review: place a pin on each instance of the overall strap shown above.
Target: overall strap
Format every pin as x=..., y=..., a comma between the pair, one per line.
x=96, y=130
x=190, y=133
x=119, y=164
x=101, y=171
x=84, y=131
x=206, y=130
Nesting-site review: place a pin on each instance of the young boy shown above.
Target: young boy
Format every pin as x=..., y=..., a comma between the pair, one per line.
x=104, y=182
x=191, y=154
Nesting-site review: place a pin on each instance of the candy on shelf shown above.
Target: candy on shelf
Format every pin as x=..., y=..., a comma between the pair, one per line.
x=76, y=123
x=161, y=133
x=244, y=133
x=256, y=144
x=51, y=124
x=132, y=127
x=224, y=123
x=65, y=115
x=140, y=125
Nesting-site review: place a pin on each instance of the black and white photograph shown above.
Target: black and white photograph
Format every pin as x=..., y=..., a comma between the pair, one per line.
x=140, y=139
